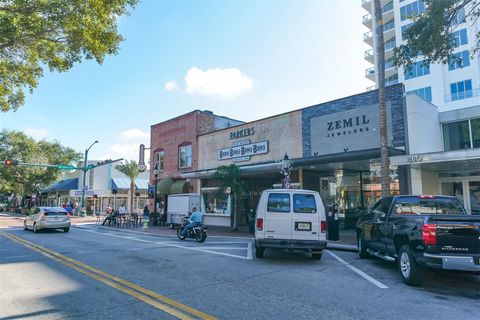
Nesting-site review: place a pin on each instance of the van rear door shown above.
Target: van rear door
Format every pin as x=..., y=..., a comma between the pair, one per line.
x=305, y=217
x=278, y=216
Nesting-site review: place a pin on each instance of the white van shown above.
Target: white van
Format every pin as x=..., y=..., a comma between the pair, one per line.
x=290, y=219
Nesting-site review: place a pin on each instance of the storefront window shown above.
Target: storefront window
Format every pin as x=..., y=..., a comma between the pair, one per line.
x=215, y=202
x=456, y=135
x=475, y=123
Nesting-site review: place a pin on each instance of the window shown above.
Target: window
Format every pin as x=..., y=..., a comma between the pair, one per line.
x=390, y=63
x=461, y=90
x=185, y=156
x=159, y=159
x=425, y=93
x=418, y=69
x=404, y=30
x=389, y=25
x=458, y=18
x=380, y=209
x=419, y=205
x=391, y=80
x=304, y=203
x=460, y=60
x=412, y=9
x=475, y=125
x=390, y=44
x=456, y=135
x=278, y=202
x=460, y=37
x=387, y=7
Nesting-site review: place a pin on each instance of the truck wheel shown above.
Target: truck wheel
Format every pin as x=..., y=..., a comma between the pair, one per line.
x=316, y=255
x=259, y=252
x=410, y=271
x=362, y=250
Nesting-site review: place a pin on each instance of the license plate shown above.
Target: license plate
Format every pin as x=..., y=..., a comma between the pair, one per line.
x=303, y=226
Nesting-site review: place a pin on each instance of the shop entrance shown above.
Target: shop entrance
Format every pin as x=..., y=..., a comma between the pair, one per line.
x=466, y=189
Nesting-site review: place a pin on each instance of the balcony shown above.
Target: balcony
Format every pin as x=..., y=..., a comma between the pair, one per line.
x=467, y=94
x=368, y=38
x=370, y=73
x=369, y=55
x=367, y=5
x=367, y=21
x=370, y=88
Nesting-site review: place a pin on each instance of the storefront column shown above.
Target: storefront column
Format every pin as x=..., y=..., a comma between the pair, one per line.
x=416, y=180
x=424, y=182
x=300, y=177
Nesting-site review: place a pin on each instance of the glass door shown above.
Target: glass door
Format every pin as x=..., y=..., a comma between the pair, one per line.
x=474, y=195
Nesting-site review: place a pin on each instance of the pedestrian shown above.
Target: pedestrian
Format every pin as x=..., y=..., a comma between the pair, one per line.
x=146, y=212
x=121, y=210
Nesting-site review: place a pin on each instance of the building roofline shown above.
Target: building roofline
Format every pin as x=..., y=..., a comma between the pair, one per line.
x=192, y=112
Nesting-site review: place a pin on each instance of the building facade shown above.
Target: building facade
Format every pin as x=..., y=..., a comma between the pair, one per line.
x=449, y=86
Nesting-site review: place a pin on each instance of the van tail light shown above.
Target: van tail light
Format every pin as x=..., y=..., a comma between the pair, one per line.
x=429, y=234
x=260, y=224
x=323, y=226
x=42, y=216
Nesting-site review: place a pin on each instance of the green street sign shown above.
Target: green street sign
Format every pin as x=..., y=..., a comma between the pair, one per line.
x=65, y=167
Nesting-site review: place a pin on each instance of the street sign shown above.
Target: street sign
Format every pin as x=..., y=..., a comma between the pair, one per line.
x=85, y=188
x=142, y=167
x=65, y=167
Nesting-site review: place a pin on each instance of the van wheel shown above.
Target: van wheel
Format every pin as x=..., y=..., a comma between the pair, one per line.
x=410, y=271
x=35, y=228
x=362, y=250
x=317, y=255
x=259, y=252
x=66, y=229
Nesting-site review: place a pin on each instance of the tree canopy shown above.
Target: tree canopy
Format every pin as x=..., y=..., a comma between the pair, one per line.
x=52, y=33
x=431, y=36
x=130, y=169
x=24, y=180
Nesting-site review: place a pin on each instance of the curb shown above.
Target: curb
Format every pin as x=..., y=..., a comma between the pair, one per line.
x=341, y=247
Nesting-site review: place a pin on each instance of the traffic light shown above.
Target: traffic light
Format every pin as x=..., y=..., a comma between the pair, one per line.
x=10, y=162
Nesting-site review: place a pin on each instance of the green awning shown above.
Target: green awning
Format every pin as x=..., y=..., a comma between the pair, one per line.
x=180, y=187
x=164, y=185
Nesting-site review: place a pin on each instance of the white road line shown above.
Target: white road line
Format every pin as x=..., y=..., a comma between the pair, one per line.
x=249, y=252
x=71, y=245
x=173, y=245
x=16, y=257
x=359, y=272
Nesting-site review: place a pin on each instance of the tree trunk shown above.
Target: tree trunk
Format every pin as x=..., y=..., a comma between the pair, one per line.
x=385, y=162
x=132, y=191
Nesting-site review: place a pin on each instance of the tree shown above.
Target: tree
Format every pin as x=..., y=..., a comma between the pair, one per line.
x=230, y=177
x=430, y=36
x=53, y=33
x=23, y=180
x=384, y=160
x=130, y=169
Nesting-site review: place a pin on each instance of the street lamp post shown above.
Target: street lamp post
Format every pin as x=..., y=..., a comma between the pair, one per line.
x=155, y=178
x=85, y=169
x=286, y=167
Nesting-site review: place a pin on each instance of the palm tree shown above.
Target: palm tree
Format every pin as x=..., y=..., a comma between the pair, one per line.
x=130, y=169
x=385, y=163
x=230, y=178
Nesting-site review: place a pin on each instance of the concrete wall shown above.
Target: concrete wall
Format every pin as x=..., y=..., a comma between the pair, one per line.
x=283, y=133
x=424, y=130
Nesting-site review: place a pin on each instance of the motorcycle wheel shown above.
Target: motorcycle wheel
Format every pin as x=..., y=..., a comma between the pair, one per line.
x=201, y=236
x=179, y=234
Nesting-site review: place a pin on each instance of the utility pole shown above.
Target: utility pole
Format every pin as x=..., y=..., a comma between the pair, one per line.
x=85, y=169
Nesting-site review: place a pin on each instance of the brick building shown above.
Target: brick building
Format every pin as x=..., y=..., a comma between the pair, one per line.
x=174, y=146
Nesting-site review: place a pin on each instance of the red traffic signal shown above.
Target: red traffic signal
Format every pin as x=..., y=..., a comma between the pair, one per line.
x=10, y=162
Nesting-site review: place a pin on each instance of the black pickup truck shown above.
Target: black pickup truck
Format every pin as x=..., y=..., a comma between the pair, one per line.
x=421, y=232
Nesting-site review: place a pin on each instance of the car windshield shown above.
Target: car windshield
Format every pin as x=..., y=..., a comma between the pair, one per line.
x=419, y=205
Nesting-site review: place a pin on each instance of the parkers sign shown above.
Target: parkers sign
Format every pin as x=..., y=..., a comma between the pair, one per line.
x=243, y=150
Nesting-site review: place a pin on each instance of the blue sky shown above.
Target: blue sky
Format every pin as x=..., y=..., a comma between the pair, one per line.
x=245, y=60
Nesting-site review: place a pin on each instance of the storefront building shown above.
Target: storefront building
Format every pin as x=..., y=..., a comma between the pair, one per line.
x=334, y=147
x=444, y=153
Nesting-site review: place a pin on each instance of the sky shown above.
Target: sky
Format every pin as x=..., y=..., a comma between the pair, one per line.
x=242, y=59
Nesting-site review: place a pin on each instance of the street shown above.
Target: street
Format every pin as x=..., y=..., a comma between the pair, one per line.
x=96, y=273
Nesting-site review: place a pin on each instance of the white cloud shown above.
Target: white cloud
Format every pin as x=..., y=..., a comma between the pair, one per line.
x=220, y=83
x=36, y=133
x=128, y=151
x=134, y=134
x=171, y=86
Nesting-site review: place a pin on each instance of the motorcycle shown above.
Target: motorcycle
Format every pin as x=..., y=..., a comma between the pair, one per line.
x=198, y=233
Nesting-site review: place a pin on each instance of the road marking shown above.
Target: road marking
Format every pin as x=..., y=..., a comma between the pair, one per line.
x=250, y=249
x=359, y=272
x=17, y=257
x=125, y=286
x=169, y=244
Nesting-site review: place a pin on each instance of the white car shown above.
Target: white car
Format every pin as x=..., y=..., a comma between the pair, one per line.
x=290, y=219
x=48, y=218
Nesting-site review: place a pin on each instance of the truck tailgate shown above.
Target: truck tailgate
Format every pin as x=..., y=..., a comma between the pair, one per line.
x=457, y=234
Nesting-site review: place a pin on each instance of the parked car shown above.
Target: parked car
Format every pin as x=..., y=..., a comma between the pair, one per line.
x=421, y=232
x=48, y=218
x=290, y=219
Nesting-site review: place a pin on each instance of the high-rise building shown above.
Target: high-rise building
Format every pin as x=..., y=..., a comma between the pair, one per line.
x=449, y=86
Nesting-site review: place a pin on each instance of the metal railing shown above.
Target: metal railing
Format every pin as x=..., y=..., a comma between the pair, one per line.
x=370, y=71
x=367, y=36
x=368, y=54
x=364, y=2
x=467, y=94
x=367, y=18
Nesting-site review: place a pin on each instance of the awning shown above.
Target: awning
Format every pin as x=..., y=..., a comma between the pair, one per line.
x=69, y=184
x=124, y=184
x=180, y=187
x=164, y=185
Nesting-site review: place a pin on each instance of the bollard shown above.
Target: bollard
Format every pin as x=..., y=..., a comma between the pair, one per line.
x=145, y=223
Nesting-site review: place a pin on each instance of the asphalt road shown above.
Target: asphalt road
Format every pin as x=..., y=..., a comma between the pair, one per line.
x=92, y=273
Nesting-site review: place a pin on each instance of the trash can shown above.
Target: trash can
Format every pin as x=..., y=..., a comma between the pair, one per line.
x=332, y=223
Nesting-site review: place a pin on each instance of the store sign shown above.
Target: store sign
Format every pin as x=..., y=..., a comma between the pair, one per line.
x=351, y=130
x=242, y=133
x=243, y=150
